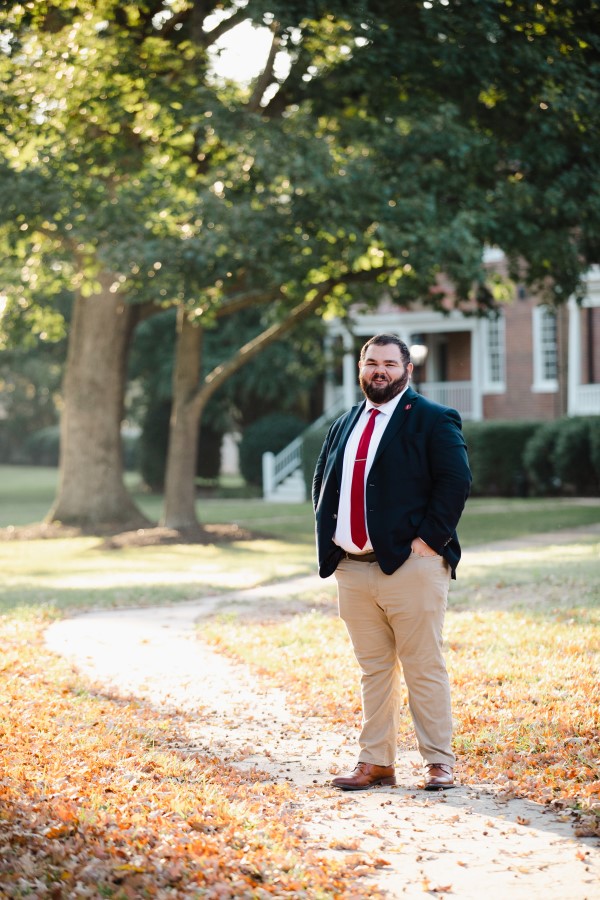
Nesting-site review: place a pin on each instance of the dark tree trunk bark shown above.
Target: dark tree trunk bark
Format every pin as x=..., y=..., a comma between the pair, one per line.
x=190, y=397
x=180, y=482
x=91, y=488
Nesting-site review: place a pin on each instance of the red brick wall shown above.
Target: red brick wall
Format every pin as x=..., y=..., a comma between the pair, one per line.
x=459, y=356
x=519, y=401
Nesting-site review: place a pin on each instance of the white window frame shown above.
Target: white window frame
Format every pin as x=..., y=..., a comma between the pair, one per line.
x=542, y=382
x=494, y=344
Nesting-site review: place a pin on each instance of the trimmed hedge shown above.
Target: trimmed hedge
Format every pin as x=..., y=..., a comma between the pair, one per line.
x=42, y=448
x=153, y=447
x=311, y=447
x=270, y=433
x=496, y=457
x=516, y=459
x=563, y=457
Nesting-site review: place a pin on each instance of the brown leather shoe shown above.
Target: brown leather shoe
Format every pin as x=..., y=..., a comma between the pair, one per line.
x=365, y=776
x=438, y=777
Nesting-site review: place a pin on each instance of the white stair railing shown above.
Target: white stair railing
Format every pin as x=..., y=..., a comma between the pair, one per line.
x=276, y=467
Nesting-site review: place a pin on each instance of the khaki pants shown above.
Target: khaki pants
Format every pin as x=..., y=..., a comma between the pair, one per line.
x=395, y=623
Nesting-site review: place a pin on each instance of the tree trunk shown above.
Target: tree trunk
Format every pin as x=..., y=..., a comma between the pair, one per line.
x=91, y=489
x=190, y=398
x=180, y=482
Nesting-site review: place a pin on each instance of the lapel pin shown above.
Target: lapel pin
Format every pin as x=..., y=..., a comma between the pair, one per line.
x=408, y=406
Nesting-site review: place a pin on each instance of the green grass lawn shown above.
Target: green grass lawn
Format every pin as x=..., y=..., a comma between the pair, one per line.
x=26, y=495
x=85, y=572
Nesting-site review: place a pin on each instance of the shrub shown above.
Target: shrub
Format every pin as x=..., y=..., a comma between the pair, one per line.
x=42, y=448
x=517, y=458
x=496, y=457
x=311, y=447
x=572, y=458
x=595, y=447
x=538, y=459
x=5, y=444
x=130, y=450
x=153, y=445
x=271, y=433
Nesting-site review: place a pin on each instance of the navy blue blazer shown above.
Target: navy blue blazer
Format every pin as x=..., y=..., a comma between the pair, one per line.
x=417, y=486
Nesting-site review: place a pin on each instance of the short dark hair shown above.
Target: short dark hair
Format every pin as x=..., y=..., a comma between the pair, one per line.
x=381, y=340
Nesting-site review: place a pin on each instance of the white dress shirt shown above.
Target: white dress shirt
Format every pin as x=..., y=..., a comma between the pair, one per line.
x=342, y=535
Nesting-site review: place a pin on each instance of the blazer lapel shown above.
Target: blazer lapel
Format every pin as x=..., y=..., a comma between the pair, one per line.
x=400, y=417
x=353, y=416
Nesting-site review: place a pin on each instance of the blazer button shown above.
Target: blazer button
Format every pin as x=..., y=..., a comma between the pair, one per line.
x=335, y=515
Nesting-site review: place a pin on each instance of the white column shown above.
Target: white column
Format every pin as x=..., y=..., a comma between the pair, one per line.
x=574, y=373
x=476, y=373
x=268, y=473
x=329, y=386
x=350, y=371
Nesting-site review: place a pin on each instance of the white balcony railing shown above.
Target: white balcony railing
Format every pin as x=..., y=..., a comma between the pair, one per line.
x=279, y=466
x=456, y=394
x=586, y=400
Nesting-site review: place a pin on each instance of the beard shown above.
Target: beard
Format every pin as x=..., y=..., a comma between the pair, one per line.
x=384, y=388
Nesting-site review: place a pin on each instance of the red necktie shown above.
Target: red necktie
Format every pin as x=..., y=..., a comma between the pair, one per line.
x=358, y=529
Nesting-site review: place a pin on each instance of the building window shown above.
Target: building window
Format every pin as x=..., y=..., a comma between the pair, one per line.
x=494, y=355
x=545, y=357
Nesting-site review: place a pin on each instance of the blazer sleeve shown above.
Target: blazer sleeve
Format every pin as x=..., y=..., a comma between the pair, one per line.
x=319, y=469
x=451, y=480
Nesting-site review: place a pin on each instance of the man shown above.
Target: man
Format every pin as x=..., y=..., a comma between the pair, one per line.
x=389, y=488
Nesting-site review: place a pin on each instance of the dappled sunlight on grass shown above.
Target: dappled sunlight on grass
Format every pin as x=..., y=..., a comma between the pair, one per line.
x=81, y=572
x=556, y=575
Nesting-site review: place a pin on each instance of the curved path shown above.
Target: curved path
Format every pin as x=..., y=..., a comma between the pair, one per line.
x=465, y=843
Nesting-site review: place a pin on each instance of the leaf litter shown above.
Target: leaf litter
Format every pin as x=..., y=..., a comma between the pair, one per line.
x=104, y=794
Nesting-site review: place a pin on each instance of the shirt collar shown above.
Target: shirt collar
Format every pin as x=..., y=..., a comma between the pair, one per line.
x=387, y=408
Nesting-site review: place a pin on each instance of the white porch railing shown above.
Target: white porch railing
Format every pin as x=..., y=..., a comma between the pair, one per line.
x=586, y=400
x=276, y=467
x=456, y=394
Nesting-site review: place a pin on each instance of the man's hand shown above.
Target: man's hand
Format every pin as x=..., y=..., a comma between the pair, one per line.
x=420, y=548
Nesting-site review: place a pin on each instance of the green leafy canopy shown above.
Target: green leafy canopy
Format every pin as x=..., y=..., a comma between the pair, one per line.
x=392, y=139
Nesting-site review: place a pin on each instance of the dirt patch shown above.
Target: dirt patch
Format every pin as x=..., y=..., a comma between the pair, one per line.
x=37, y=532
x=117, y=537
x=203, y=534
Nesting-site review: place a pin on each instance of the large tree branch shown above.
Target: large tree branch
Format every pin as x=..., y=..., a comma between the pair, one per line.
x=226, y=25
x=266, y=77
x=195, y=15
x=221, y=373
x=292, y=89
x=252, y=348
x=243, y=300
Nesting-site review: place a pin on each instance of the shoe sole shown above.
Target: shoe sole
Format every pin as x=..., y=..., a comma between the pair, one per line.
x=385, y=782
x=439, y=787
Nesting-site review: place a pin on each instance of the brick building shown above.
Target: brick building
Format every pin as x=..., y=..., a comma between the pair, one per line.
x=529, y=363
